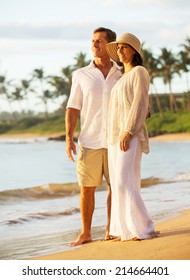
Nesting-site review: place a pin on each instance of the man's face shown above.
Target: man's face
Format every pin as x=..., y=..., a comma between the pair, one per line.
x=99, y=42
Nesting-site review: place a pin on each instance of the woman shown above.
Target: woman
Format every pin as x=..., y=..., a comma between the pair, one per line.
x=127, y=139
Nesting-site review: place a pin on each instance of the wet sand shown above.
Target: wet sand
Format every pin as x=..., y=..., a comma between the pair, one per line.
x=172, y=243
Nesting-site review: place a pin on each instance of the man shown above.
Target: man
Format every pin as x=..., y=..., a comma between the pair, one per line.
x=89, y=98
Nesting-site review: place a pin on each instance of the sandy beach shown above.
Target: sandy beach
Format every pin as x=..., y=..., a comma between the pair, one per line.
x=30, y=135
x=172, y=243
x=172, y=137
x=164, y=137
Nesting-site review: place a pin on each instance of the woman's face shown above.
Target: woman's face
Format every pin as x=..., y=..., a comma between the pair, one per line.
x=125, y=53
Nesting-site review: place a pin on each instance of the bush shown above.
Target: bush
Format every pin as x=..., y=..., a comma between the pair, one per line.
x=168, y=123
x=29, y=122
x=4, y=127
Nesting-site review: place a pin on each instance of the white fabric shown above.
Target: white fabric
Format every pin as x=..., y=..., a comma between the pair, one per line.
x=129, y=106
x=129, y=216
x=90, y=93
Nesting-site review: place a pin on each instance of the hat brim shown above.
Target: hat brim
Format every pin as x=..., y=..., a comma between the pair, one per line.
x=111, y=49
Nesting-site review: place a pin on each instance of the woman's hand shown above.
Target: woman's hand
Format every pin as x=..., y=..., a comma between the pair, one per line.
x=124, y=141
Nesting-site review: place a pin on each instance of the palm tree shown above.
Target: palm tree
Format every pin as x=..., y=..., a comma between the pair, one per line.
x=168, y=68
x=60, y=87
x=45, y=97
x=4, y=90
x=151, y=63
x=67, y=71
x=43, y=90
x=67, y=74
x=27, y=88
x=184, y=58
x=67, y=77
x=17, y=95
x=81, y=61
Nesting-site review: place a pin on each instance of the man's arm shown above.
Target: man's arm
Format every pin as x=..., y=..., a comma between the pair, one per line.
x=71, y=119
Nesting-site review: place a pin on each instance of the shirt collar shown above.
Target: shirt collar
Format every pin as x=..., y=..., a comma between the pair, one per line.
x=115, y=66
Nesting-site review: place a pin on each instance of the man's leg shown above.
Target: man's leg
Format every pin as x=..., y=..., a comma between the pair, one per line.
x=87, y=202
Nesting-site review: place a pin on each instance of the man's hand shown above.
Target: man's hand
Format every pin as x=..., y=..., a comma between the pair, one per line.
x=70, y=149
x=71, y=118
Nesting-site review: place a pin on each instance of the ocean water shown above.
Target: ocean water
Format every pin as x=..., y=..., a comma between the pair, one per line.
x=39, y=196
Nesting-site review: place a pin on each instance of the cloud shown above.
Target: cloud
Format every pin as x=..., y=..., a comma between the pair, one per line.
x=154, y=32
x=146, y=3
x=157, y=22
x=132, y=3
x=44, y=31
x=151, y=20
x=40, y=48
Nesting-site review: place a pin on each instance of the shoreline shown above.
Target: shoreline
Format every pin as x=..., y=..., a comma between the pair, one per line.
x=30, y=135
x=164, y=137
x=172, y=137
x=173, y=243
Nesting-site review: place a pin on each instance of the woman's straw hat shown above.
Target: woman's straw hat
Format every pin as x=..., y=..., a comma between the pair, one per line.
x=126, y=38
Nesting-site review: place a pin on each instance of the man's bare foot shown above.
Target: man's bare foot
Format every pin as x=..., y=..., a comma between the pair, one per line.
x=82, y=239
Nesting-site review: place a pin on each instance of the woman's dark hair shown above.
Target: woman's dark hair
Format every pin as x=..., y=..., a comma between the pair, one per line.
x=137, y=59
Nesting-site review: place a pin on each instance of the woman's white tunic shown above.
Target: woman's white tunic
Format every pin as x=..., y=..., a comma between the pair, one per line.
x=127, y=112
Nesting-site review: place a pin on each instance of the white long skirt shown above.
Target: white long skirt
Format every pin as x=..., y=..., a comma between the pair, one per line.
x=129, y=216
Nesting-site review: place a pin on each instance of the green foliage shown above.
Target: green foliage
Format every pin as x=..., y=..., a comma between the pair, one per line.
x=53, y=125
x=5, y=127
x=37, y=125
x=28, y=122
x=168, y=123
x=24, y=125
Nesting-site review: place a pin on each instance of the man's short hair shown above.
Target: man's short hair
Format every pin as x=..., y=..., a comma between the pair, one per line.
x=110, y=35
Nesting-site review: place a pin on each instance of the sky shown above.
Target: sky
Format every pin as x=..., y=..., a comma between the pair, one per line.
x=49, y=34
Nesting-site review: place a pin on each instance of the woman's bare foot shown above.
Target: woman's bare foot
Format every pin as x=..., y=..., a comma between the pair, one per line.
x=108, y=236
x=135, y=239
x=82, y=239
x=132, y=239
x=118, y=238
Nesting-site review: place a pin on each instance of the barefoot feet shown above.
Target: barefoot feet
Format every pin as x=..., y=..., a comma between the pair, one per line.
x=109, y=236
x=82, y=239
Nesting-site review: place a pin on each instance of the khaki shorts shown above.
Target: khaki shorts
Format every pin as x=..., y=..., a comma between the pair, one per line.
x=92, y=165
